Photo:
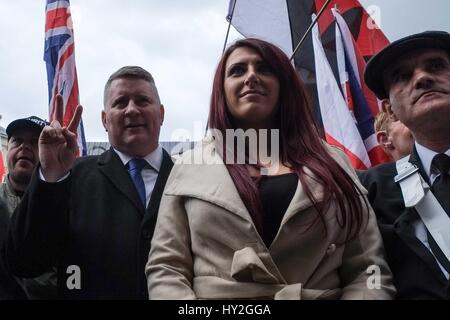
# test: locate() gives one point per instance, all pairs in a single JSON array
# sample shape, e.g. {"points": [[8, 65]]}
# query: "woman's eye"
{"points": [[236, 71]]}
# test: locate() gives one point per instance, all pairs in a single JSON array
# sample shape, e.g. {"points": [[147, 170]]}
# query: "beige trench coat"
{"points": [[205, 245]]}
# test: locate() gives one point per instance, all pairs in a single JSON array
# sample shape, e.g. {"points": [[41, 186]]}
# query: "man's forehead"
{"points": [[413, 59], [130, 86], [416, 56]]}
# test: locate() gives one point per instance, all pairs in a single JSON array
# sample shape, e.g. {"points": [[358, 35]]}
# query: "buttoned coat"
{"points": [[92, 224], [206, 246]]}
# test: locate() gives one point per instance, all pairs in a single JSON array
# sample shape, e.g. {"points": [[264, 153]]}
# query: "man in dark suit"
{"points": [[94, 217], [414, 74]]}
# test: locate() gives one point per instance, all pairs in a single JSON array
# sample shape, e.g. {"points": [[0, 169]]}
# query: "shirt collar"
{"points": [[426, 157], [154, 159]]}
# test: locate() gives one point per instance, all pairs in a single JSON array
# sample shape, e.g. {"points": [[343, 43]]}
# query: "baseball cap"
{"points": [[32, 122]]}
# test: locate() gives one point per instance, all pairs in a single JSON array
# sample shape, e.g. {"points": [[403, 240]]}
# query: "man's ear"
{"points": [[382, 137], [161, 110], [384, 141], [104, 120], [387, 107]]}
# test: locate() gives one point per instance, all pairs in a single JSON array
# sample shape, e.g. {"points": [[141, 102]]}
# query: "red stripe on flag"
{"points": [[72, 102], [2, 167], [67, 53], [327, 17], [378, 156], [355, 161], [57, 18]]}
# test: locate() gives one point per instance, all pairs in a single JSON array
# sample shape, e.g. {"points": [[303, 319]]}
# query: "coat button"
{"points": [[331, 248], [147, 234]]}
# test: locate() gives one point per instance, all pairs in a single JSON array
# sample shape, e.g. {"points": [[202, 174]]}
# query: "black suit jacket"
{"points": [[416, 272], [94, 220]]}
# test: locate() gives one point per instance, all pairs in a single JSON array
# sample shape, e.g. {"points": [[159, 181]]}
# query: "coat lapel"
{"points": [[300, 201], [204, 176], [164, 171], [211, 182], [112, 167]]}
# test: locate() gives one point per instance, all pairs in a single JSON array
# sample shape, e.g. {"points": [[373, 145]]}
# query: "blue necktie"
{"points": [[135, 167]]}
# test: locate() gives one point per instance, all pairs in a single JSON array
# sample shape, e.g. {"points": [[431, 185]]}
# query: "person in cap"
{"points": [[393, 136], [413, 73], [94, 216], [22, 158]]}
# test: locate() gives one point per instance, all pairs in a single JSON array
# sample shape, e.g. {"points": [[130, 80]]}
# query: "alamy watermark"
{"points": [[258, 147]]}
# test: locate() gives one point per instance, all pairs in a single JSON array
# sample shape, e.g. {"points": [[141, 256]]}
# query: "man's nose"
{"points": [[423, 79], [28, 144], [132, 108]]}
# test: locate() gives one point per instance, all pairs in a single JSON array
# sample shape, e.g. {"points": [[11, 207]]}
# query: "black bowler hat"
{"points": [[373, 74], [27, 123]]}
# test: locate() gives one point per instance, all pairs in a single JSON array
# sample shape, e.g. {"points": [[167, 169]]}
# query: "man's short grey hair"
{"points": [[129, 72]]}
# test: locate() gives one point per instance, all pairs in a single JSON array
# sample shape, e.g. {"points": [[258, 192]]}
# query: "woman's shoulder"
{"points": [[339, 155]]}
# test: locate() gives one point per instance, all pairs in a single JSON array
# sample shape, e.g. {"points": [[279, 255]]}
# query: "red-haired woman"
{"points": [[301, 230]]}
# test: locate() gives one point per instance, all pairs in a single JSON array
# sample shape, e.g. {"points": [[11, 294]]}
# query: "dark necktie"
{"points": [[441, 190], [135, 167], [441, 186]]}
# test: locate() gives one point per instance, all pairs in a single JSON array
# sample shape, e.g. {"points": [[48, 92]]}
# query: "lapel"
{"points": [[113, 169], [164, 171], [405, 230], [211, 182], [300, 201]]}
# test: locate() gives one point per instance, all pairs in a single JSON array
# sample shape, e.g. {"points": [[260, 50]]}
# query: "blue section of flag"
{"points": [[51, 52], [363, 115]]}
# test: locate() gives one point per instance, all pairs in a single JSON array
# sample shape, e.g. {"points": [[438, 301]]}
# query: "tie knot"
{"points": [[441, 162], [136, 164]]}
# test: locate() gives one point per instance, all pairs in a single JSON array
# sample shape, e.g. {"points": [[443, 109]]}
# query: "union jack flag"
{"points": [[59, 56]]}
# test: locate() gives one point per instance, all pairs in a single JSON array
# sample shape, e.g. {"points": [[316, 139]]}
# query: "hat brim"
{"points": [[376, 66]]}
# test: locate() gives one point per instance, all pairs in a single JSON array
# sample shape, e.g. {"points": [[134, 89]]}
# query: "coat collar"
{"points": [[110, 164], [200, 173], [112, 167]]}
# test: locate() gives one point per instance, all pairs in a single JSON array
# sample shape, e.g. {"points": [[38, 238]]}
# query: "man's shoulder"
{"points": [[86, 161], [383, 172]]}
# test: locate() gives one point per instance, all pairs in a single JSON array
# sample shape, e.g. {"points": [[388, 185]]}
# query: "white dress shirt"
{"points": [[149, 172], [426, 157]]}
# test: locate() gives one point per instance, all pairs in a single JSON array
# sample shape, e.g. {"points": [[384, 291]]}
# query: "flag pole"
{"points": [[308, 31], [230, 17]]}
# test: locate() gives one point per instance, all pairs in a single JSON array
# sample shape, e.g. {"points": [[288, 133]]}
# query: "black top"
{"points": [[276, 193]]}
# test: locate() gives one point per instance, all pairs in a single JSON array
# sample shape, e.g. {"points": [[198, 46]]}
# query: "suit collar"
{"points": [[112, 167], [165, 168], [154, 158], [415, 159]]}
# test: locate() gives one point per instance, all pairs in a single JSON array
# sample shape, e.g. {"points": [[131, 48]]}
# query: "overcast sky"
{"points": [[178, 41]]}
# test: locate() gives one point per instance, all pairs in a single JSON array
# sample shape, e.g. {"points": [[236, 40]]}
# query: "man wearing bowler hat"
{"points": [[411, 197], [22, 158]]}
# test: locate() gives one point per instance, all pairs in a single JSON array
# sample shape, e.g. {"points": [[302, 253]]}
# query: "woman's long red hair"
{"points": [[300, 142]]}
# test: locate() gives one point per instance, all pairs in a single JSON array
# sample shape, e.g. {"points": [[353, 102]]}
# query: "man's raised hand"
{"points": [[58, 145]]}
